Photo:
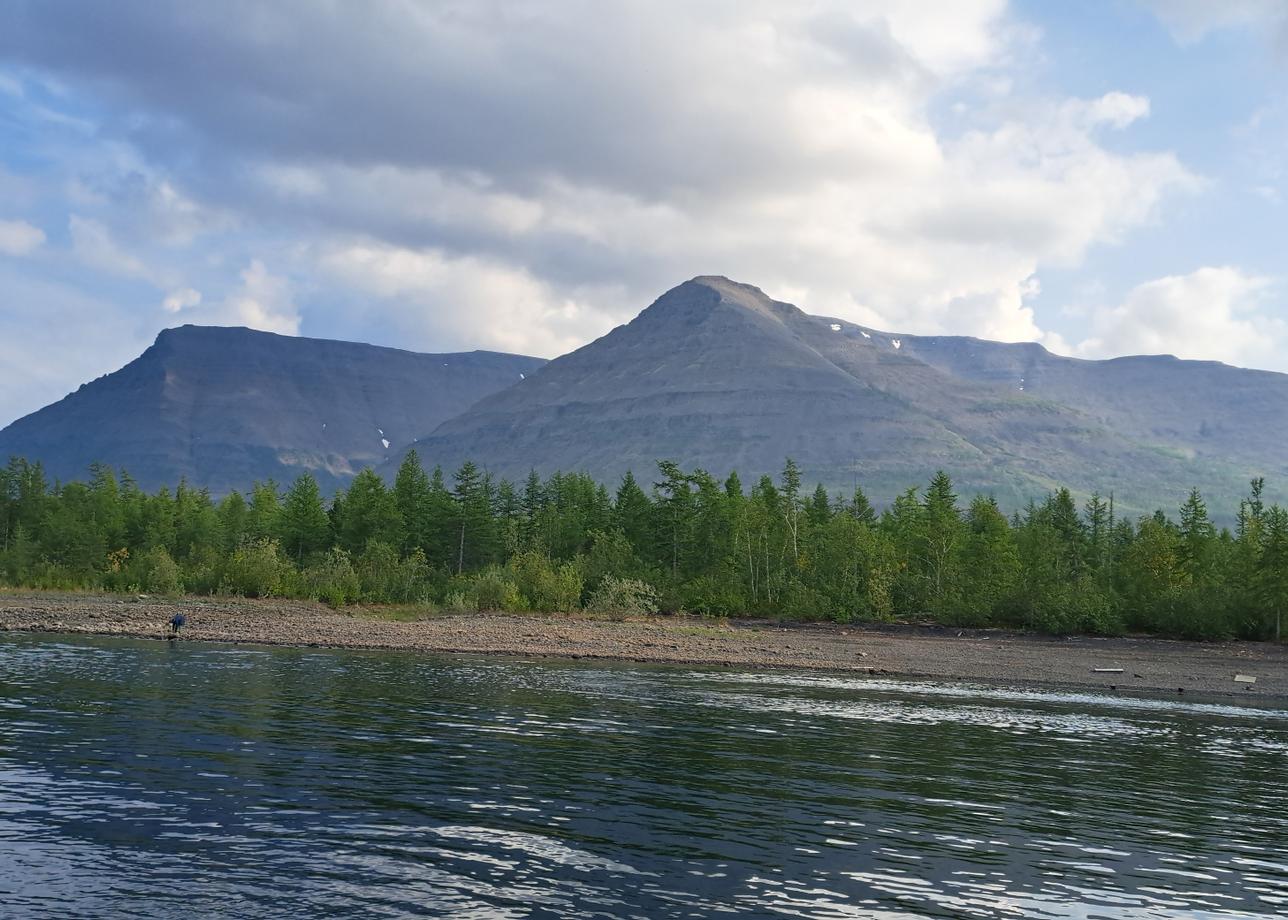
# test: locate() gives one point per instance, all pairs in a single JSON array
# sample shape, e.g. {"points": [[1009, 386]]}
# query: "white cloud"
{"points": [[1211, 313], [181, 299], [945, 238], [436, 302], [19, 238], [526, 176], [263, 301]]}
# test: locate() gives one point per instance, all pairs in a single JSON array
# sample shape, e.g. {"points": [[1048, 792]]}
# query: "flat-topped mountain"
{"points": [[717, 375], [225, 407]]}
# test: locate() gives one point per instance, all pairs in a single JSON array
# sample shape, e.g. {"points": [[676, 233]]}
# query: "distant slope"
{"points": [[717, 375], [225, 407], [1204, 409]]}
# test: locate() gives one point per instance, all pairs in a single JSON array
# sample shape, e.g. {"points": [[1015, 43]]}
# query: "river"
{"points": [[188, 780]]}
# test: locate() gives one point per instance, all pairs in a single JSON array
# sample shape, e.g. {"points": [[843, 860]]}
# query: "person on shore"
{"points": [[176, 623]]}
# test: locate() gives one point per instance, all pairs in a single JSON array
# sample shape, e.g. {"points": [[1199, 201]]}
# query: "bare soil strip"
{"points": [[1151, 666]]}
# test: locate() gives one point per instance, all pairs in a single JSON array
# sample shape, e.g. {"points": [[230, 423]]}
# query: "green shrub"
{"points": [[714, 595], [202, 570], [331, 579], [1200, 613], [255, 569], [623, 597], [387, 578], [155, 572], [493, 591], [802, 602], [610, 553], [544, 586], [1082, 607], [459, 602]]}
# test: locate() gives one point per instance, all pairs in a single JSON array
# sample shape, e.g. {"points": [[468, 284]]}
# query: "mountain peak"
{"points": [[698, 297]]}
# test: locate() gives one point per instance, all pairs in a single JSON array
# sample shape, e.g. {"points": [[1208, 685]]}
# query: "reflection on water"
{"points": [[234, 782]]}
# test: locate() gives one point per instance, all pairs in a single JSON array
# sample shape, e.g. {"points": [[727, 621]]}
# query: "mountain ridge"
{"points": [[900, 406], [714, 374], [226, 406]]}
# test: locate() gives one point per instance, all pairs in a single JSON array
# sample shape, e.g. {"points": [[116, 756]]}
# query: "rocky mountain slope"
{"points": [[225, 407], [715, 374]]}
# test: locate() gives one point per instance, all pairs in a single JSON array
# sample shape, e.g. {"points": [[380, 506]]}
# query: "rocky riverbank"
{"points": [[1122, 665]]}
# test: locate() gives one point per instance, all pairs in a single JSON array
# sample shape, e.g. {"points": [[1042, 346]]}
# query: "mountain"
{"points": [[717, 375], [225, 407], [1204, 409]]}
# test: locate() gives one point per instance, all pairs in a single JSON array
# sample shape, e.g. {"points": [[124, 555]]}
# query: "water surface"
{"points": [[186, 780]]}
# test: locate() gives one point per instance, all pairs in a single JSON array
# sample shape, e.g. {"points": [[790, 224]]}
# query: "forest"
{"points": [[683, 542]]}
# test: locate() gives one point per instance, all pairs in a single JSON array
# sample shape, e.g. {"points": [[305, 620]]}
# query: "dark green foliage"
{"points": [[697, 544], [414, 501], [368, 512], [303, 525]]}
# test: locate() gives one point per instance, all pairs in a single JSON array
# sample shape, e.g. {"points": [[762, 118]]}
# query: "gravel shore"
{"points": [[1153, 666]]}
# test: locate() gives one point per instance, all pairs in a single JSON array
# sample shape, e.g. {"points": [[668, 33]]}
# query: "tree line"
{"points": [[687, 542]]}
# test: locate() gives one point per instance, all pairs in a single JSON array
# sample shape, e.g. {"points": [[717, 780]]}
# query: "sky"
{"points": [[1105, 178]]}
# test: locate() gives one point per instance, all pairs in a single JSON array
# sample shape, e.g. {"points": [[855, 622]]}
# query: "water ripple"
{"points": [[173, 781]]}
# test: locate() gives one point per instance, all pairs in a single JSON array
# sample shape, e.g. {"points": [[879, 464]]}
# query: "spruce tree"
{"points": [[1272, 568], [819, 511], [414, 503], [1198, 538], [632, 513], [261, 516], [792, 505], [472, 516], [368, 512], [674, 505], [303, 525], [861, 509]]}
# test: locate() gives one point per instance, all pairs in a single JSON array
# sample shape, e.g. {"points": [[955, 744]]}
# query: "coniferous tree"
{"points": [[1198, 537], [532, 506], [1098, 528], [261, 516], [303, 527], [632, 512], [368, 512], [1272, 568], [233, 514], [819, 510], [472, 515], [442, 514], [940, 544], [414, 503], [861, 509], [707, 546], [792, 504], [674, 504]]}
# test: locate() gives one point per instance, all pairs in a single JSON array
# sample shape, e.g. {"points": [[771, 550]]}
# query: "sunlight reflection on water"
{"points": [[217, 781]]}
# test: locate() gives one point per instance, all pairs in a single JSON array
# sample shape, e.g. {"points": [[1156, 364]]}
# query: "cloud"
{"points": [[652, 99], [465, 302], [524, 176], [181, 299], [263, 301], [1211, 313], [19, 238]]}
